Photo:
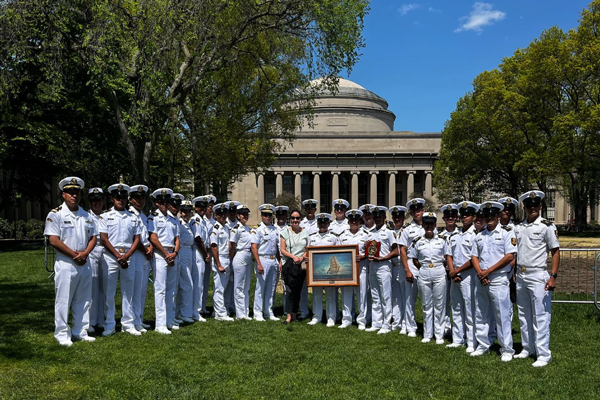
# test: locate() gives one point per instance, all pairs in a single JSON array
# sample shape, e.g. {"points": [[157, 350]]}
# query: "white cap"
{"points": [[366, 208], [162, 194], [532, 194], [491, 206], [398, 209], [220, 208], [354, 213], [429, 216], [378, 209], [267, 208], [324, 217], [187, 204], [281, 209], [118, 189], [339, 203], [200, 199], [414, 202], [465, 205], [71, 182], [506, 201], [210, 198], [138, 189], [449, 207], [310, 202], [243, 208]]}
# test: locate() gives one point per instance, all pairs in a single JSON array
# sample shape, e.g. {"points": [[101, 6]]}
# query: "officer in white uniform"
{"points": [[398, 214], [281, 217], [203, 258], [463, 279], [428, 254], [407, 239], [174, 208], [231, 222], [241, 255], [144, 256], [219, 242], [323, 238], [265, 248], [187, 262], [450, 217], [340, 223], [72, 233], [164, 235], [369, 222], [210, 266], [507, 215], [354, 235], [120, 234], [535, 238], [380, 270], [495, 248], [309, 222], [96, 198]]}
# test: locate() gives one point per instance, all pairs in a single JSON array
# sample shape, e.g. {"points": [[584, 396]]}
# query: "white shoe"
{"points": [[247, 318], [470, 350], [479, 352], [225, 318], [273, 318], [522, 354], [259, 319], [163, 329], [425, 340], [403, 331], [201, 318], [372, 329], [173, 327], [133, 331], [140, 329], [539, 363], [90, 329], [383, 331], [454, 345], [85, 338], [506, 357], [361, 327], [108, 333], [330, 323], [145, 326], [187, 320], [412, 334], [66, 343], [313, 321], [439, 341], [344, 326]]}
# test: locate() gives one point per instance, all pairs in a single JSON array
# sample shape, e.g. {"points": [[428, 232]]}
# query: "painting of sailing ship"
{"points": [[332, 267]]}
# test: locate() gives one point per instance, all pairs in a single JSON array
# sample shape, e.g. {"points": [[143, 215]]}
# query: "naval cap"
{"points": [[310, 203], [340, 204], [95, 193], [323, 217], [200, 201], [492, 207], [415, 203], [232, 204], [378, 210], [220, 208], [354, 214], [71, 182], [508, 202], [449, 209], [429, 217], [532, 196], [266, 208], [281, 209], [162, 194], [468, 207], [186, 205], [210, 198], [366, 208], [138, 190], [118, 189], [397, 211], [243, 209]]}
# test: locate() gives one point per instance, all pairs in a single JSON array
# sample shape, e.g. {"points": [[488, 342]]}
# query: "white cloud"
{"points": [[406, 8], [482, 15], [434, 10]]}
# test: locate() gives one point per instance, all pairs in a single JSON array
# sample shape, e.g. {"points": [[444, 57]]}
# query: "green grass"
{"points": [[248, 359]]}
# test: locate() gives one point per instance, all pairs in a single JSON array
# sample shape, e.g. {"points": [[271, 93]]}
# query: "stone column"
{"points": [[335, 185], [354, 193], [298, 184], [260, 182], [392, 188], [410, 184], [373, 196], [278, 183], [428, 184], [317, 188]]}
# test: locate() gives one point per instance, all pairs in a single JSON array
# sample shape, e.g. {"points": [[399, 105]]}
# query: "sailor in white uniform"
{"points": [[220, 246], [187, 263], [340, 223], [231, 222], [241, 256], [201, 257], [96, 198], [398, 214], [450, 217], [72, 233]]}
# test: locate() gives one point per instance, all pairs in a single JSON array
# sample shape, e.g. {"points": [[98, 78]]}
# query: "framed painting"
{"points": [[332, 265]]}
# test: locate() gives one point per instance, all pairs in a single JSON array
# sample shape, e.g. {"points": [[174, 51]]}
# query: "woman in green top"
{"points": [[293, 248]]}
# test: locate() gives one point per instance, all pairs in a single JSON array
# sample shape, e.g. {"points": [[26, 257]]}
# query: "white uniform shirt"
{"points": [[267, 238], [369, 230], [96, 219], [187, 232], [121, 227], [461, 246], [240, 235], [209, 223], [409, 234], [338, 227], [358, 238], [281, 228], [322, 239], [491, 246], [201, 228], [74, 229], [166, 228], [534, 241], [430, 252], [444, 234], [231, 224], [310, 225], [144, 236], [386, 237], [220, 237]]}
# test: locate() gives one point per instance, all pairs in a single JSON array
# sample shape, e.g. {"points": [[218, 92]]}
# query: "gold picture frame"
{"points": [[332, 265]]}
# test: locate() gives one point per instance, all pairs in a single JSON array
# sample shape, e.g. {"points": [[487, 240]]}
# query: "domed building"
{"points": [[349, 151]]}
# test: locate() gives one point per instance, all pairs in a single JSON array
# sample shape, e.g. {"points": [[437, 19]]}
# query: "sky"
{"points": [[422, 56]]}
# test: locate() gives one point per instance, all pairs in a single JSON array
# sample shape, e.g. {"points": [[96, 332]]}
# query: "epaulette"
{"points": [[217, 226], [335, 234], [405, 225], [105, 211], [155, 213], [236, 226], [197, 219], [390, 225], [415, 240], [546, 222], [506, 228], [57, 209], [442, 236], [314, 233]]}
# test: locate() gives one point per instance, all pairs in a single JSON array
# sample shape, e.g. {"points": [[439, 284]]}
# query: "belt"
{"points": [[524, 269], [271, 256], [122, 250], [245, 251], [169, 248]]}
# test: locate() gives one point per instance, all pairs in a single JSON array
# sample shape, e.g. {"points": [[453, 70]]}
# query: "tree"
{"points": [[288, 199]]}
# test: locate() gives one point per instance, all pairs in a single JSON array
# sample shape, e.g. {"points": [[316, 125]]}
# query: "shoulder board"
{"points": [[546, 222], [155, 213], [217, 226], [314, 233], [442, 236], [57, 209], [233, 231], [405, 225], [390, 225], [197, 219], [236, 226], [415, 240], [506, 228], [335, 234]]}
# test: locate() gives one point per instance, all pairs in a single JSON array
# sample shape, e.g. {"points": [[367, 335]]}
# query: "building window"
{"points": [[288, 184], [325, 200], [270, 187], [363, 186], [345, 183], [551, 205], [307, 186]]}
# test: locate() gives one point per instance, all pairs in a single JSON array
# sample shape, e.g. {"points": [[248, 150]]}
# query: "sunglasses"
{"points": [[266, 215], [295, 218], [532, 205]]}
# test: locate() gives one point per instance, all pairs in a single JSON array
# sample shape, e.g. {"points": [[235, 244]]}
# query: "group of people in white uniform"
{"points": [[462, 274]]}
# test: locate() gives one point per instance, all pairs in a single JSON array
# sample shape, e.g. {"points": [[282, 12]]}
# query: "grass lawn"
{"points": [[220, 360]]}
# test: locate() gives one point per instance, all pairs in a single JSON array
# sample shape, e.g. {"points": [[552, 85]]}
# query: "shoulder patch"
{"points": [[506, 228], [546, 222], [49, 219]]}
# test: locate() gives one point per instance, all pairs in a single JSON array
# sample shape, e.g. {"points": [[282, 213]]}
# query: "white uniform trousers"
{"points": [[398, 304], [242, 273], [494, 299], [73, 287], [265, 284], [380, 278], [363, 294], [411, 290], [113, 273], [228, 296], [165, 282], [185, 292], [98, 299], [432, 285], [205, 284], [330, 306], [347, 300], [173, 294], [447, 321], [197, 272], [304, 300], [221, 281], [463, 309], [140, 288], [534, 306]]}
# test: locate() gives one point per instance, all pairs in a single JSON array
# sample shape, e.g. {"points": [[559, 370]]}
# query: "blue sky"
{"points": [[422, 56]]}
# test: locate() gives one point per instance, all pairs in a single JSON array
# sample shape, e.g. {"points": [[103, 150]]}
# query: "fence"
{"points": [[577, 281]]}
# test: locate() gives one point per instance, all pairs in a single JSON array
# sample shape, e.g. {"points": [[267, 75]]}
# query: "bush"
{"points": [[34, 229], [6, 229], [20, 230]]}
